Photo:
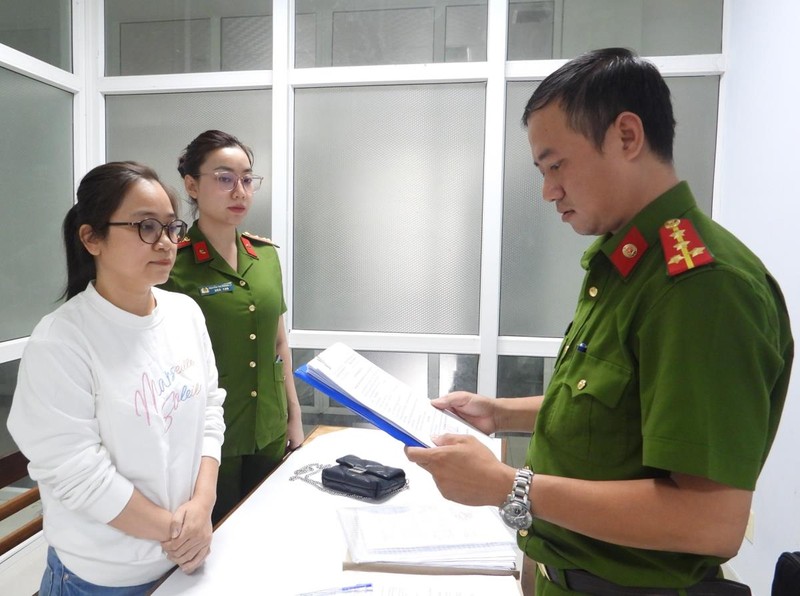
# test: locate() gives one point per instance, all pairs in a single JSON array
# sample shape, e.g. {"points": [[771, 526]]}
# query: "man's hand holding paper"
{"points": [[465, 470]]}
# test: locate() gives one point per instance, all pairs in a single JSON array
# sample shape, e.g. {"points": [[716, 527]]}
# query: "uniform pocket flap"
{"points": [[602, 380]]}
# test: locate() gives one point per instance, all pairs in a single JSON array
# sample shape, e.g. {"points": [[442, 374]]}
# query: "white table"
{"points": [[285, 538]]}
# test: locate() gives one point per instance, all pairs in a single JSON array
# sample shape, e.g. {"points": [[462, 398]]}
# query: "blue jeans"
{"points": [[60, 581]]}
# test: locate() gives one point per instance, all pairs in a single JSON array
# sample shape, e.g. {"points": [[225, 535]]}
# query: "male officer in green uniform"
{"points": [[670, 382]]}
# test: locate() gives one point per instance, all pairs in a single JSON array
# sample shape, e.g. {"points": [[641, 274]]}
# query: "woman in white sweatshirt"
{"points": [[117, 405]]}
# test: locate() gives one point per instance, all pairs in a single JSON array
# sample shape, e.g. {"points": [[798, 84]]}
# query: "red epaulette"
{"points": [[184, 242], [683, 247], [259, 239]]}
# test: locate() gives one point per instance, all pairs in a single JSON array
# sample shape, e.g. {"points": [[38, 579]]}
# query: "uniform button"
{"points": [[242, 283], [629, 251], [252, 364], [592, 291], [254, 394], [523, 533], [251, 308], [581, 384], [252, 336]]}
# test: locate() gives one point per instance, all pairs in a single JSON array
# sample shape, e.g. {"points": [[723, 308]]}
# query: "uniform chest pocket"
{"points": [[590, 415]]}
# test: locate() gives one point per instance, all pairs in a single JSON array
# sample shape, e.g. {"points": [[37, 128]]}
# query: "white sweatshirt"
{"points": [[107, 401]]}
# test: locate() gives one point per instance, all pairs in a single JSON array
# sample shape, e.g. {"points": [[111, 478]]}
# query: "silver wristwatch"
{"points": [[516, 511]]}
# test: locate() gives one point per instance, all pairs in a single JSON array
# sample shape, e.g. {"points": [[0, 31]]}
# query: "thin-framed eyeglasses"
{"points": [[227, 181], [150, 229]]}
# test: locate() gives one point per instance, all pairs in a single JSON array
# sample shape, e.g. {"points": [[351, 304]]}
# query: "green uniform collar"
{"points": [[645, 225], [205, 252]]}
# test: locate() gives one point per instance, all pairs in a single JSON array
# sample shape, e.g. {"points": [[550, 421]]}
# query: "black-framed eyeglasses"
{"points": [[150, 229], [227, 181]]}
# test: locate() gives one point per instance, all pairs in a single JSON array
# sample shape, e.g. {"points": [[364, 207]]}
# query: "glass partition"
{"points": [[388, 189], [362, 32], [37, 192], [39, 28], [567, 28], [156, 37]]}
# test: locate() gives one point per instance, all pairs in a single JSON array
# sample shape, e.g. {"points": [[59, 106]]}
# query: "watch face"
{"points": [[516, 515]]}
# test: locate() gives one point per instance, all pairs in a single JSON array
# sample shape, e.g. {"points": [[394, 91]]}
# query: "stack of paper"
{"points": [[447, 538], [390, 404]]}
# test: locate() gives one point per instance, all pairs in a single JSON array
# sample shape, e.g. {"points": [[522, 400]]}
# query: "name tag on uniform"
{"points": [[216, 289]]}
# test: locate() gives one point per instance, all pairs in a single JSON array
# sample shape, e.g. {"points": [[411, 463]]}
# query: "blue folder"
{"points": [[347, 401]]}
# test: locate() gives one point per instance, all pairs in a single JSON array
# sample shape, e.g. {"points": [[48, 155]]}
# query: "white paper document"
{"points": [[389, 398], [448, 536]]}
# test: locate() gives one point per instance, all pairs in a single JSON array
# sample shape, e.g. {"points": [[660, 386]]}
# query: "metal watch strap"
{"points": [[522, 486], [517, 511]]}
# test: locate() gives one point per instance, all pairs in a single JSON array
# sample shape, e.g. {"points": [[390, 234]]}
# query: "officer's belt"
{"points": [[579, 580]]}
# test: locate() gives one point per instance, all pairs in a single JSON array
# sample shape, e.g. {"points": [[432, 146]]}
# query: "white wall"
{"points": [[759, 200]]}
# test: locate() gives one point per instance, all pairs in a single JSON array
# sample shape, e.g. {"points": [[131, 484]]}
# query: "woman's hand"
{"points": [[191, 534]]}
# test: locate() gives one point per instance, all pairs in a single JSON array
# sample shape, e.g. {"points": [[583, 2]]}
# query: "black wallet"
{"points": [[786, 581], [363, 478]]}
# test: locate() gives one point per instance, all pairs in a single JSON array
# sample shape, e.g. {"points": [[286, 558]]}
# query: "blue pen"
{"points": [[354, 589]]}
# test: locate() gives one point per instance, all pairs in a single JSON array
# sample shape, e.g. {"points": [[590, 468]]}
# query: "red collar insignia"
{"points": [[248, 246], [201, 252], [683, 247], [628, 252]]}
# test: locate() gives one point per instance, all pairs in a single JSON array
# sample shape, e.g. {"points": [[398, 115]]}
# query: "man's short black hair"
{"points": [[594, 88]]}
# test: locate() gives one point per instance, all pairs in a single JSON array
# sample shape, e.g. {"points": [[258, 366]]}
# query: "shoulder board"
{"points": [[683, 247], [259, 239]]}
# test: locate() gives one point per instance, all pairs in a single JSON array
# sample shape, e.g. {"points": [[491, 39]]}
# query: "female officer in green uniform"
{"points": [[236, 279]]}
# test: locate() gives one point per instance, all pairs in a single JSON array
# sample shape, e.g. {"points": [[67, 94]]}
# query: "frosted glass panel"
{"points": [[157, 37], [163, 47], [530, 30], [36, 193], [428, 374], [361, 32], [247, 43], [383, 36], [541, 273], [387, 208], [305, 40], [154, 129], [695, 102], [650, 27], [39, 28], [465, 34]]}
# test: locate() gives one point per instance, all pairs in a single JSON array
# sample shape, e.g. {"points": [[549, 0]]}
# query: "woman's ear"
{"points": [[190, 183], [89, 239], [630, 132]]}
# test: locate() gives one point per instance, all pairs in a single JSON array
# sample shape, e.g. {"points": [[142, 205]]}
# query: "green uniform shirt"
{"points": [[242, 309], [661, 373]]}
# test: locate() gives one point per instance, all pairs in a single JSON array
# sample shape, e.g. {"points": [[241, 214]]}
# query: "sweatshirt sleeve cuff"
{"points": [[113, 501], [212, 448]]}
